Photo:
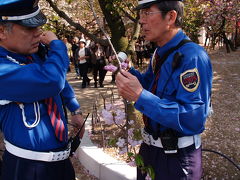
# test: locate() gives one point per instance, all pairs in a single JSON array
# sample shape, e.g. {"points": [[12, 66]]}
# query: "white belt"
{"points": [[182, 141], [38, 156]]}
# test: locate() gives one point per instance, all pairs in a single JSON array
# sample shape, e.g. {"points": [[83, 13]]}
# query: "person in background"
{"points": [[88, 42], [90, 64], [83, 55], [32, 94], [69, 50], [173, 94], [75, 42], [139, 51], [109, 53], [98, 67]]}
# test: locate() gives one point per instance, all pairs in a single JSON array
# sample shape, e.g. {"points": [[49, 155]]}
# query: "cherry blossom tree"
{"points": [[220, 21], [116, 16], [193, 19]]}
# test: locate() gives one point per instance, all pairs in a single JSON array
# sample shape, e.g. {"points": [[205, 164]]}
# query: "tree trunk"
{"points": [[131, 45], [236, 35], [206, 39], [115, 25], [228, 43], [213, 42]]}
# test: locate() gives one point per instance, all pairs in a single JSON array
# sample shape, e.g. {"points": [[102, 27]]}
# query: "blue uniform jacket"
{"points": [[30, 84], [181, 108]]}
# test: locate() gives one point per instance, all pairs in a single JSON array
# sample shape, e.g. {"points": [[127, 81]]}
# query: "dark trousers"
{"points": [[184, 165], [83, 68], [99, 68], [139, 58], [16, 168], [77, 70], [76, 67]]}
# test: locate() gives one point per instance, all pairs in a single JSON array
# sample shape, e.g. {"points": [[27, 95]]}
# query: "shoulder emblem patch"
{"points": [[190, 80]]}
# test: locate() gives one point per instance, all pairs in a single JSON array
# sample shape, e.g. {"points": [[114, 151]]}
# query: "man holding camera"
{"points": [[32, 94]]}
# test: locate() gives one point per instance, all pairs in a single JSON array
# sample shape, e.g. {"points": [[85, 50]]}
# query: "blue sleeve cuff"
{"points": [[73, 105], [57, 44], [58, 47], [131, 70], [144, 102]]}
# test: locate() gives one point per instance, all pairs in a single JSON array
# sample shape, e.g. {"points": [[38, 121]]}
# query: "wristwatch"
{"points": [[78, 111]]}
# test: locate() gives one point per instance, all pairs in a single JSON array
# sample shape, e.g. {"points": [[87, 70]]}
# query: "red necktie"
{"points": [[156, 70], [56, 120], [54, 114]]}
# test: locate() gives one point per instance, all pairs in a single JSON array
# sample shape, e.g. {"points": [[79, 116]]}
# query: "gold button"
{"points": [[4, 17]]}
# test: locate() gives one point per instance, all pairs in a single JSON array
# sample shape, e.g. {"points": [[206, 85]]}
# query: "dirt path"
{"points": [[223, 128], [86, 97]]}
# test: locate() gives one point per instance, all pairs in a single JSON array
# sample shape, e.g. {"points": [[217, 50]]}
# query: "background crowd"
{"points": [[89, 57]]}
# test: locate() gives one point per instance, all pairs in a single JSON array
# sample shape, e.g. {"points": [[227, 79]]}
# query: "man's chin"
{"points": [[34, 50], [146, 37]]}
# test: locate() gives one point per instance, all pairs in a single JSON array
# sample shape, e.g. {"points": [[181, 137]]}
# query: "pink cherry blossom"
{"points": [[120, 142], [148, 177], [124, 65], [110, 68], [107, 116], [123, 151], [132, 163]]}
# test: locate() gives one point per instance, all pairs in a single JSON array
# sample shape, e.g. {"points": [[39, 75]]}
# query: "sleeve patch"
{"points": [[190, 80]]}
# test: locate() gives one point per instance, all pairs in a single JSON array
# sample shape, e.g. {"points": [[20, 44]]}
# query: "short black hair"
{"points": [[178, 6], [7, 25]]}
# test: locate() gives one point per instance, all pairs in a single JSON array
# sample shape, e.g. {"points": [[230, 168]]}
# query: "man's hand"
{"points": [[47, 37], [77, 121], [128, 86]]}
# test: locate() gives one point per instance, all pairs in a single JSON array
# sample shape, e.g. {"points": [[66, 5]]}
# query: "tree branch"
{"points": [[76, 25]]}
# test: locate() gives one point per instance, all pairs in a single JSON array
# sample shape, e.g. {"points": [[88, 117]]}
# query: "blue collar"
{"points": [[22, 59], [172, 43]]}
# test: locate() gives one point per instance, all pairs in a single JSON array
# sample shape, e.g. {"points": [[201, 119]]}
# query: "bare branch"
{"points": [[76, 25], [105, 34]]}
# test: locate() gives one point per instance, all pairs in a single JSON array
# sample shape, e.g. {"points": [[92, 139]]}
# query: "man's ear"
{"points": [[2, 32], [172, 16]]}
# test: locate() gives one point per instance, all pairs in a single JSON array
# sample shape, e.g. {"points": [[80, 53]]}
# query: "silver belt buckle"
{"points": [[170, 151], [62, 155]]}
